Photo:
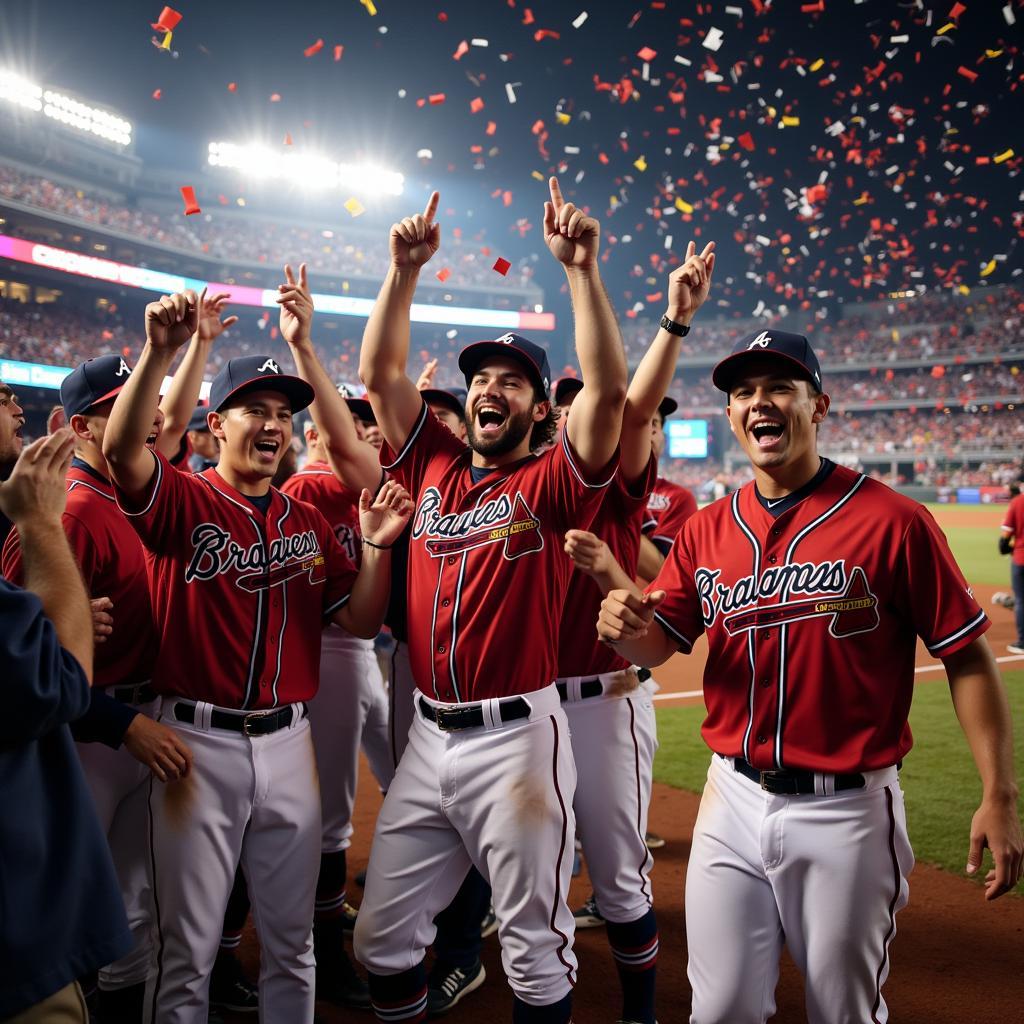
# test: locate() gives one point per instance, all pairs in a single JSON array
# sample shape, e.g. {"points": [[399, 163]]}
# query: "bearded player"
{"points": [[813, 584]]}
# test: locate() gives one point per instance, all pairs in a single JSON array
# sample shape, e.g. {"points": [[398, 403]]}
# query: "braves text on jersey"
{"points": [[113, 565], [668, 508], [486, 562], [812, 620], [239, 596], [617, 523]]}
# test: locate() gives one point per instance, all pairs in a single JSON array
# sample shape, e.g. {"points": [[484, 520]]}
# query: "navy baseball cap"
{"points": [[198, 420], [667, 406], [454, 399], [92, 382], [357, 403], [792, 349], [258, 373], [566, 386], [509, 346]]}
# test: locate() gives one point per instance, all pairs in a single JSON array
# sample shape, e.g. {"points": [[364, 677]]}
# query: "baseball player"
{"points": [[119, 744], [12, 426], [1011, 542], [610, 716], [241, 579], [487, 777], [813, 584], [350, 707]]}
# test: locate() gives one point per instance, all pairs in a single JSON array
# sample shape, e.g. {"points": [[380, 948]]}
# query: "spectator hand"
{"points": [[414, 240], [572, 237], [426, 378], [382, 519], [296, 307], [688, 285], [159, 748], [172, 320], [211, 324], [102, 620], [36, 490]]}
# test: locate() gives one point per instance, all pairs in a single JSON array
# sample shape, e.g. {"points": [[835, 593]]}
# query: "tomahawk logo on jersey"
{"points": [[479, 550], [234, 589], [770, 594]]}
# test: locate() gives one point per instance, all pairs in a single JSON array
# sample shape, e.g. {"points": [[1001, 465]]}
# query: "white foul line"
{"points": [[936, 667]]}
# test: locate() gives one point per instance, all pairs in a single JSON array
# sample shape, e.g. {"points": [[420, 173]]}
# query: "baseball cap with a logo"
{"points": [[509, 346], [448, 398], [257, 373], [357, 403], [792, 349], [92, 382]]}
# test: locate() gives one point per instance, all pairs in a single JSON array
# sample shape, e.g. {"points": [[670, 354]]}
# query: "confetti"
{"points": [[1009, 16], [640, 163], [338, 51], [425, 154], [510, 90], [232, 87], [746, 140], [275, 97], [479, 42], [476, 105], [167, 21], [580, 18], [713, 40], [647, 54], [545, 33], [436, 99], [502, 266], [956, 11], [491, 128], [370, 8], [461, 50], [683, 206], [287, 138], [157, 94], [354, 207], [443, 274], [967, 73], [1003, 157], [990, 266], [314, 49], [188, 194]]}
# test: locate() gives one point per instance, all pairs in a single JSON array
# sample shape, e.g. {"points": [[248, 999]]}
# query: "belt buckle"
{"points": [[779, 783], [448, 719], [252, 715]]}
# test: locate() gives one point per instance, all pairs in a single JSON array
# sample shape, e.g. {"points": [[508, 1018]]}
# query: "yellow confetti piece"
{"points": [[895, 334], [369, 5], [166, 44], [1003, 157], [989, 268], [992, 54], [683, 205], [789, 121], [537, 175], [640, 163], [964, 290], [818, 64], [613, 201], [771, 113], [945, 28], [354, 207], [562, 118], [862, 199]]}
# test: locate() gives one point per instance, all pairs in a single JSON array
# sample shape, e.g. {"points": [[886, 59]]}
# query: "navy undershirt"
{"points": [[479, 473], [780, 505], [260, 501]]}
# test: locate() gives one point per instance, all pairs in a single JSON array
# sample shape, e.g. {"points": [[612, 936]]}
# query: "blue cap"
{"points": [[667, 406], [93, 382], [258, 373], [566, 386], [792, 349], [454, 399], [509, 346], [198, 420]]}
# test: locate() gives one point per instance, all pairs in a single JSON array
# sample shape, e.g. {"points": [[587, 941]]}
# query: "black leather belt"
{"points": [[588, 688], [143, 693], [255, 723], [793, 783], [471, 716]]}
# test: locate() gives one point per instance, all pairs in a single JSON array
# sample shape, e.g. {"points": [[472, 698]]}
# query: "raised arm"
{"points": [[170, 322], [979, 699], [688, 287], [354, 461], [574, 240], [183, 394], [384, 355]]}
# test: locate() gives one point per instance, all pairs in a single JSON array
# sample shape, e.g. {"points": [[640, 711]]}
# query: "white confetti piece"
{"points": [[479, 42], [1009, 15], [713, 40], [510, 90], [580, 19]]}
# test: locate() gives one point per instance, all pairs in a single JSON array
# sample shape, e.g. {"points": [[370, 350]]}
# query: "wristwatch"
{"points": [[680, 330]]}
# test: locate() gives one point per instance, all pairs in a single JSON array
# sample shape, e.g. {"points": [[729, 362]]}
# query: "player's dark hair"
{"points": [[545, 430]]}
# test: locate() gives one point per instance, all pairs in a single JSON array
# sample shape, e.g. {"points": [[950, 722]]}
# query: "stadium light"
{"points": [[20, 91], [310, 170]]}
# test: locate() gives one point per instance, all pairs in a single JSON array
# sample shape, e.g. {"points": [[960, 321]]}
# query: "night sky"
{"points": [[904, 119]]}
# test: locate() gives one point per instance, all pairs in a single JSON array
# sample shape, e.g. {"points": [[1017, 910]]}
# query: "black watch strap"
{"points": [[680, 330]]}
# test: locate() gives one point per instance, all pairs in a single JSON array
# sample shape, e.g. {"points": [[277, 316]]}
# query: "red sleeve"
{"points": [[680, 613], [682, 505], [573, 499], [633, 497], [942, 607], [84, 548], [1011, 523], [428, 441], [163, 509], [10, 560]]}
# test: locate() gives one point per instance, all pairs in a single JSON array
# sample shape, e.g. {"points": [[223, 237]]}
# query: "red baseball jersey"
{"points": [[113, 565], [239, 595], [617, 523], [317, 485], [812, 621], [668, 508], [1013, 526], [488, 573]]}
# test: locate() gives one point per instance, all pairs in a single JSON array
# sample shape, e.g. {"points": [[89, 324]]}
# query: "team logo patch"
{"points": [[268, 364], [123, 369], [763, 340], [259, 566], [826, 589], [658, 502], [505, 520]]}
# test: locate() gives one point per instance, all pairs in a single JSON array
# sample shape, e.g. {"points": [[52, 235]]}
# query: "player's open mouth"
{"points": [[151, 440], [490, 419], [767, 434], [268, 450]]}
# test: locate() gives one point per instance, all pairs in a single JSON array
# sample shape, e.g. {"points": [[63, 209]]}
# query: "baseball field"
{"points": [[955, 957]]}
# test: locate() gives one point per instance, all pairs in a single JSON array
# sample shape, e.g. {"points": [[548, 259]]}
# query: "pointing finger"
{"points": [[556, 193], [303, 280], [708, 249], [431, 208], [691, 249], [288, 275]]}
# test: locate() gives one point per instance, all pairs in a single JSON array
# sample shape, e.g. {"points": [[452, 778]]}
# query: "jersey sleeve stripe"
{"points": [[938, 645], [411, 439], [579, 476], [685, 645], [155, 488]]}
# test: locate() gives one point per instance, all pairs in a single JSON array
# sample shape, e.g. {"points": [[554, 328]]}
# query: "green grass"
{"points": [[938, 777], [976, 547]]}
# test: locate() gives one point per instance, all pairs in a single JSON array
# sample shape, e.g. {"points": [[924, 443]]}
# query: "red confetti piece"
{"points": [[502, 266], [967, 73], [232, 87], [275, 97], [461, 50], [338, 51], [491, 128], [157, 93], [956, 11], [545, 33], [813, 8], [476, 105], [538, 127], [167, 21], [311, 51], [527, 16], [443, 274], [506, 198], [188, 193], [441, 16], [287, 138], [436, 99], [746, 140], [647, 54]]}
